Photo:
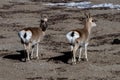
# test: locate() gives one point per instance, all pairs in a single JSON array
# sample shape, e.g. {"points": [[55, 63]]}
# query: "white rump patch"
{"points": [[25, 35], [71, 38]]}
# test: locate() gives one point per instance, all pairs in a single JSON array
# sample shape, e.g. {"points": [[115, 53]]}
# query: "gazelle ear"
{"points": [[86, 15], [89, 15]]}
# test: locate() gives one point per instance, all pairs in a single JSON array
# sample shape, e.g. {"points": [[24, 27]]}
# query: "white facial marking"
{"points": [[45, 19], [93, 24]]}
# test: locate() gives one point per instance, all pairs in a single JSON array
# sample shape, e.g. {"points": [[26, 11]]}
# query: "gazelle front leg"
{"points": [[33, 47], [37, 56], [80, 53], [86, 51]]}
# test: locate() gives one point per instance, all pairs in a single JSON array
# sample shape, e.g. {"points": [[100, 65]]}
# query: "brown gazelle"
{"points": [[79, 38], [31, 36]]}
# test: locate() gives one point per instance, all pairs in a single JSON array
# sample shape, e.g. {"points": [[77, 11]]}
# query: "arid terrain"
{"points": [[54, 50]]}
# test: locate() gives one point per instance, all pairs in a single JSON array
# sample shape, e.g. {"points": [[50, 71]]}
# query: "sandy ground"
{"points": [[54, 51]]}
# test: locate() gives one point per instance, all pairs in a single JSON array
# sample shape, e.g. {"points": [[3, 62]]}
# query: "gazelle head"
{"points": [[89, 21], [43, 23]]}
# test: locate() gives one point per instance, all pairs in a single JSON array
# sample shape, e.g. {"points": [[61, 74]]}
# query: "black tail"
{"points": [[72, 34]]}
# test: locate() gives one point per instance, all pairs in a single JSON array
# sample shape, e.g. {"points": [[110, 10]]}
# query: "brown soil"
{"points": [[54, 50]]}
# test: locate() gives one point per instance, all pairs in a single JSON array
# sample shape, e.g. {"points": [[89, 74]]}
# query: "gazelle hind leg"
{"points": [[75, 48], [25, 52], [71, 47], [28, 53], [28, 47]]}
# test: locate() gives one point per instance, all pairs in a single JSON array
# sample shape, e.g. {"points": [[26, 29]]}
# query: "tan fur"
{"points": [[37, 34], [83, 40]]}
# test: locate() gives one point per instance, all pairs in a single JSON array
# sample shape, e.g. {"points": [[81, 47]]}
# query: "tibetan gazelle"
{"points": [[79, 38], [31, 36]]}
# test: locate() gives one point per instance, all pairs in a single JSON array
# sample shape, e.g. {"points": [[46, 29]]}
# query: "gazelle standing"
{"points": [[79, 38], [31, 36]]}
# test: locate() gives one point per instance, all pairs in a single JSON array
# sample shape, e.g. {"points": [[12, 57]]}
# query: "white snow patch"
{"points": [[83, 5]]}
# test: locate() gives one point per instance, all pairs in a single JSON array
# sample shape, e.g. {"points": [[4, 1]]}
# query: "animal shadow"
{"points": [[116, 41], [20, 57], [62, 58]]}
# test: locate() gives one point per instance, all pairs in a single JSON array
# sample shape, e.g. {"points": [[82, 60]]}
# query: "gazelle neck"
{"points": [[87, 28]]}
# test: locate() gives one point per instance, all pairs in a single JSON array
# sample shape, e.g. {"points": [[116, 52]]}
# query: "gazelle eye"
{"points": [[94, 20]]}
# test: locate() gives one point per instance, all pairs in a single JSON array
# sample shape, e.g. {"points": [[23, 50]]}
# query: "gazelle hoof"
{"points": [[86, 59], [31, 57], [79, 59], [73, 63], [37, 57], [27, 60]]}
